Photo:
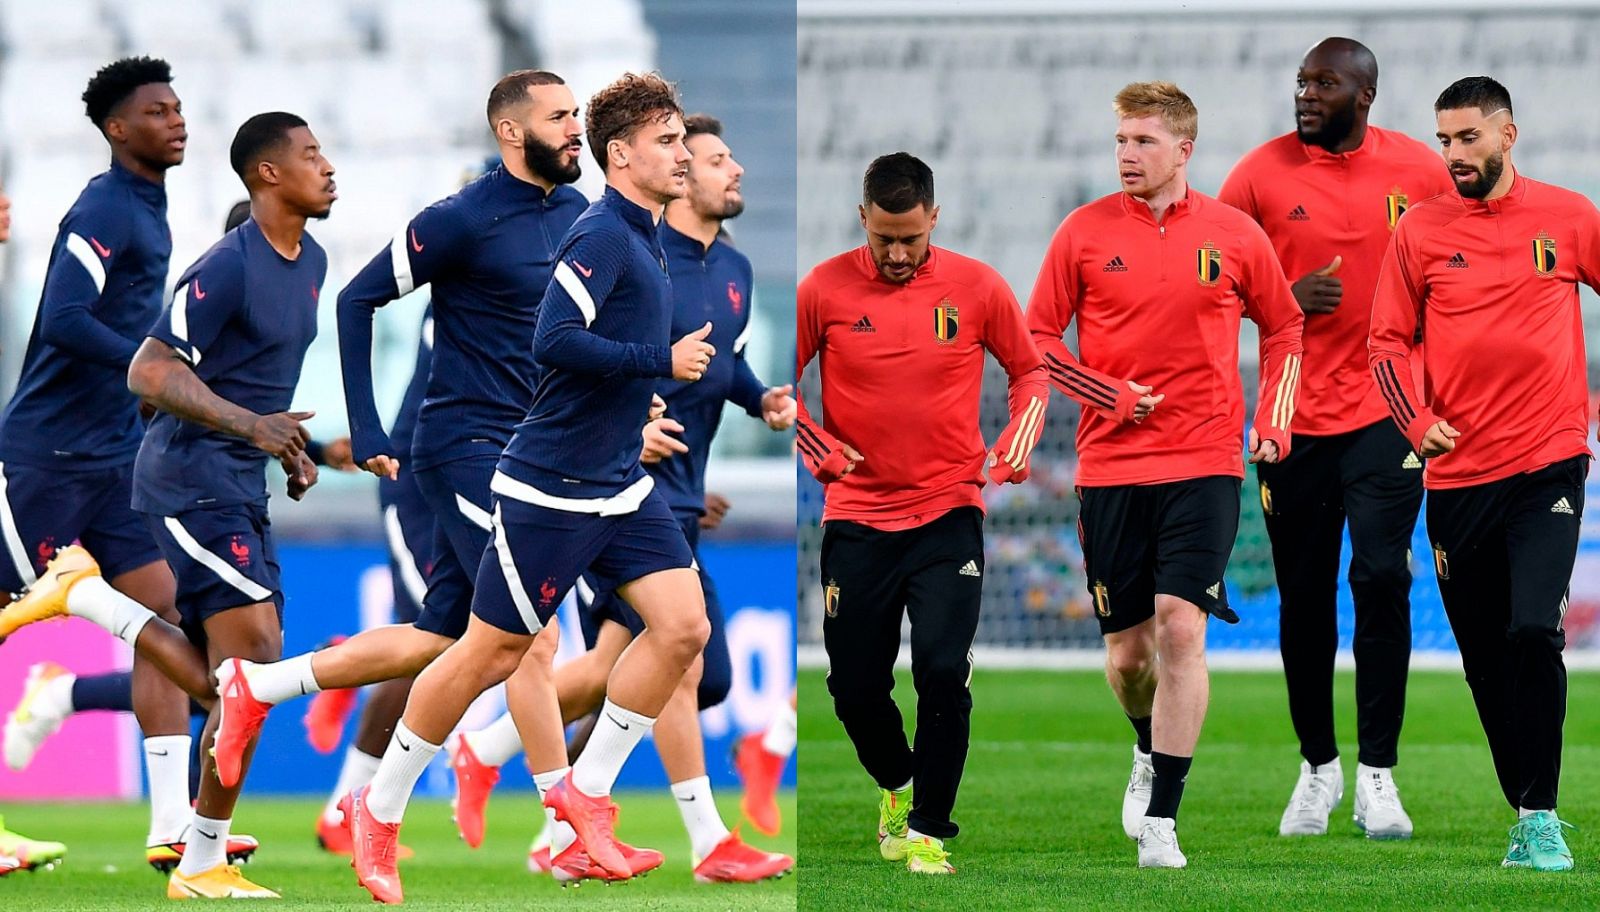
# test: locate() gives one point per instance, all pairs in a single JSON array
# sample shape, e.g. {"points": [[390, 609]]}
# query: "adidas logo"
{"points": [[1298, 214], [1562, 506], [1116, 265], [863, 325], [1216, 590], [971, 567], [1457, 262], [1411, 462]]}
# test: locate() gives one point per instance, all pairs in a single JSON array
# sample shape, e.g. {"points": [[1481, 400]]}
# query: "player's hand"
{"points": [[1440, 439], [692, 354], [302, 475], [281, 434], [1262, 450], [778, 407], [716, 508], [852, 458], [383, 467], [338, 455], [1320, 292], [1147, 403], [658, 407], [658, 444]]}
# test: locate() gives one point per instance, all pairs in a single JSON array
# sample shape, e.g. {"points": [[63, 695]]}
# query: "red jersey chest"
{"points": [[1158, 284], [914, 332]]}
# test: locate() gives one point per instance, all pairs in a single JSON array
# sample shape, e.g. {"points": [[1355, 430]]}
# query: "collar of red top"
{"points": [[1519, 189], [870, 266], [1369, 142], [1139, 209]]}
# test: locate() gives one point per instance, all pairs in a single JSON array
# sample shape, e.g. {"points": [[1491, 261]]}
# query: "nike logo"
{"points": [[205, 834], [155, 753], [587, 273], [690, 798], [620, 724], [198, 294], [403, 746], [414, 245], [100, 248]]}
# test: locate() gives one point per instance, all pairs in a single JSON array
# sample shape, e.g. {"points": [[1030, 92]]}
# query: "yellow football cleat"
{"points": [[30, 853], [221, 882], [926, 855], [47, 597]]}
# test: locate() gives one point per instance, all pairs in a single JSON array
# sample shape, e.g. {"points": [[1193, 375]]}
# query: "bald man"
{"points": [[1329, 195]]}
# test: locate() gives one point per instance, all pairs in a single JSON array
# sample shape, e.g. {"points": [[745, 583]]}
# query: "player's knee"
{"points": [[1536, 635], [688, 639], [1182, 633], [1378, 577], [1130, 664]]}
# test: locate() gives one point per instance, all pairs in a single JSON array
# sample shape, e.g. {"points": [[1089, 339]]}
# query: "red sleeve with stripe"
{"points": [[823, 456], [1050, 310], [1396, 309], [1028, 393], [1270, 304]]}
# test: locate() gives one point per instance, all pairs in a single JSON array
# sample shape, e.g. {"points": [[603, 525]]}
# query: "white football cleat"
{"points": [[1158, 844], [1378, 809], [1318, 791], [1136, 800], [38, 714]]}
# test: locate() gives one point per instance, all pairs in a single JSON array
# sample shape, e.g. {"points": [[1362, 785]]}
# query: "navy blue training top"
{"points": [[405, 420], [603, 341], [709, 284], [102, 290], [243, 317], [488, 252]]}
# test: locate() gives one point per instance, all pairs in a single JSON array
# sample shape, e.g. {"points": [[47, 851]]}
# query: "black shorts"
{"points": [[1140, 541]]}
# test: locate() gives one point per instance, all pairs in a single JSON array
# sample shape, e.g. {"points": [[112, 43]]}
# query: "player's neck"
{"points": [[637, 196], [683, 219], [521, 171], [1163, 199], [138, 168], [1351, 141], [282, 229]]}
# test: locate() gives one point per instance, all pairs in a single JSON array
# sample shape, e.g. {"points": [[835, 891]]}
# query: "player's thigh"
{"points": [[649, 562], [1381, 478], [944, 589], [1116, 527], [408, 530], [1467, 533], [222, 559], [447, 600], [863, 597], [1542, 544], [534, 558], [1303, 510], [153, 586], [1198, 520], [41, 510]]}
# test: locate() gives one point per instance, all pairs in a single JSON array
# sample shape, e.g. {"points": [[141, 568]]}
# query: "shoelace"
{"points": [[1546, 835], [897, 815], [1315, 795], [1384, 794], [1143, 777], [1161, 834], [927, 851]]}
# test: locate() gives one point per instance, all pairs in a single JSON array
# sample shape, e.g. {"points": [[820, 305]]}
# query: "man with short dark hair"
{"points": [[1492, 273], [1328, 195], [900, 321]]}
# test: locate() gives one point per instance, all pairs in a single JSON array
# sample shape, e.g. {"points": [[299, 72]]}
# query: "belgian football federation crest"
{"points": [[1208, 264], [830, 598], [1102, 599], [946, 321], [1395, 206], [1544, 255]]}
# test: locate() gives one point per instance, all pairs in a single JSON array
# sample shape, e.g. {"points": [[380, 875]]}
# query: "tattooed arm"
{"points": [[162, 377]]}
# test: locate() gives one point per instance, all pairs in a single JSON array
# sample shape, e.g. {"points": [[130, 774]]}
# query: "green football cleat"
{"points": [[30, 853], [1540, 845], [894, 807], [926, 855]]}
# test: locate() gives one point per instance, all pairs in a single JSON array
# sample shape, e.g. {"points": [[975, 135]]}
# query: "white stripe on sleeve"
{"points": [[574, 287], [80, 249]]}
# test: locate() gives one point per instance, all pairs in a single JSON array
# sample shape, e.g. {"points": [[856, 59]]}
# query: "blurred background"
{"points": [[395, 91], [1009, 102]]}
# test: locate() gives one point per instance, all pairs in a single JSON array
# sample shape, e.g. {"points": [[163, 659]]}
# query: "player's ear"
{"points": [[267, 172], [1367, 96], [933, 218], [617, 153], [1508, 136], [862, 210], [507, 131], [115, 129]]}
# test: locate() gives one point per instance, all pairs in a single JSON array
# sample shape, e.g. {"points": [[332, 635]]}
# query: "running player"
{"points": [[1328, 195], [1490, 273], [898, 321], [1157, 276]]}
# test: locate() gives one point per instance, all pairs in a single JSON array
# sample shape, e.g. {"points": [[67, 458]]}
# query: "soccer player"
{"points": [[1157, 276], [1328, 196], [894, 322], [711, 281], [1490, 273], [488, 252], [571, 495], [70, 432]]}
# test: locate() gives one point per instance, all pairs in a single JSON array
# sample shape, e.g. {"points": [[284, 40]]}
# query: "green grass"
{"points": [[1040, 808], [105, 860]]}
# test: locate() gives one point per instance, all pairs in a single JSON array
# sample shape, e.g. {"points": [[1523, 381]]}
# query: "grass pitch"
{"points": [[105, 867], [1040, 808]]}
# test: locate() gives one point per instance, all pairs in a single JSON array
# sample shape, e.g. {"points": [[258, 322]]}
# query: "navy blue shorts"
{"points": [[408, 529], [539, 552], [46, 508], [457, 494], [223, 557]]}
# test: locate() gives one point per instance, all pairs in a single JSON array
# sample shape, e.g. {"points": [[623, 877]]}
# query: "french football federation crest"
{"points": [[1544, 255], [946, 321], [735, 298], [1395, 205], [1208, 264], [830, 598]]}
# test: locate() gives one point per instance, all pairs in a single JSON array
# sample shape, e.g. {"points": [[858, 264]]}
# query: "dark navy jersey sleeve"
{"points": [[211, 294], [590, 266], [87, 246], [746, 389]]}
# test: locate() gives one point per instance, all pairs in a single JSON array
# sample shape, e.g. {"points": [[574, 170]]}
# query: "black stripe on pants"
{"points": [[1504, 553], [934, 574], [1360, 477]]}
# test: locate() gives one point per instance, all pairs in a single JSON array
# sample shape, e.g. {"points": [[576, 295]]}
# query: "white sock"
{"points": [[496, 743], [55, 698], [275, 682], [616, 733], [397, 775], [700, 817], [166, 762], [780, 737], [93, 599], [208, 845], [913, 835], [560, 831], [1524, 812], [358, 769]]}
